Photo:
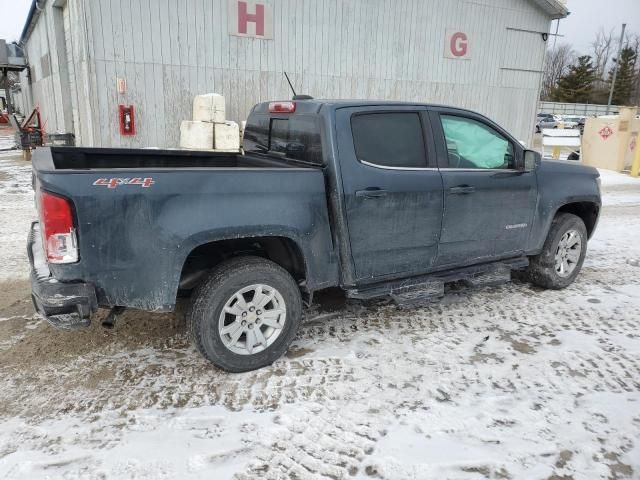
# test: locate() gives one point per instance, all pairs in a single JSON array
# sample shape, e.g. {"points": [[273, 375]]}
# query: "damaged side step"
{"points": [[425, 293], [498, 276], [431, 287]]}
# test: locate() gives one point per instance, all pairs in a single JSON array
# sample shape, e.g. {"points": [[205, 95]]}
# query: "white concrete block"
{"points": [[226, 136], [209, 108], [196, 135]]}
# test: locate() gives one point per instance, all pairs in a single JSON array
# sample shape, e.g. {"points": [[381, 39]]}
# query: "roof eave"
{"points": [[32, 17], [554, 8]]}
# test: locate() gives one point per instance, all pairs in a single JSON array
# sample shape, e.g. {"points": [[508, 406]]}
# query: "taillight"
{"points": [[58, 234], [282, 107]]}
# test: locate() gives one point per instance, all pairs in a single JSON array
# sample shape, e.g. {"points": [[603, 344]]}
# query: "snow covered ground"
{"points": [[16, 209], [504, 382]]}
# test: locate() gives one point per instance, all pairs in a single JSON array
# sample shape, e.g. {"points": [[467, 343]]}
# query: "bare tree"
{"points": [[557, 63], [12, 78], [601, 49]]}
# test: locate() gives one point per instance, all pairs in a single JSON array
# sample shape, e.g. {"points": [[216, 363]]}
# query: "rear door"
{"points": [[392, 189], [489, 201]]}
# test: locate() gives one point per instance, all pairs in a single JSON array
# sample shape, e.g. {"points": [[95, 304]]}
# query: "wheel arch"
{"points": [[586, 210], [283, 250]]}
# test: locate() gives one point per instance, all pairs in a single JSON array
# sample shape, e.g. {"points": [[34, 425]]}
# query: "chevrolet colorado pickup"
{"points": [[377, 198]]}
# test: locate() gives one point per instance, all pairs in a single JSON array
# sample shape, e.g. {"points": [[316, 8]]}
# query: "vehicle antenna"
{"points": [[290, 84]]}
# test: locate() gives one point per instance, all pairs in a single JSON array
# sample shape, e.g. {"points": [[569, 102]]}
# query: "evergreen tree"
{"points": [[576, 85], [625, 78]]}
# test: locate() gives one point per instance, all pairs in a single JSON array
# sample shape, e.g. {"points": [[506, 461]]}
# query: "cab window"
{"points": [[472, 144], [296, 137], [389, 139]]}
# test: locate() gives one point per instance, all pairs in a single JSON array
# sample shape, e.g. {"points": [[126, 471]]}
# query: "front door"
{"points": [[392, 189], [488, 200]]}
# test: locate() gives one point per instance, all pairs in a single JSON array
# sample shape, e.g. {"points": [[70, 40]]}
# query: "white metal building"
{"points": [[88, 57]]}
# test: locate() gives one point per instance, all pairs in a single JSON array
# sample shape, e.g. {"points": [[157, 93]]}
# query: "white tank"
{"points": [[209, 108], [196, 135], [226, 136]]}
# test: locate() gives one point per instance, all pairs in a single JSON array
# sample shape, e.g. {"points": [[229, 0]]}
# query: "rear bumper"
{"points": [[62, 304]]}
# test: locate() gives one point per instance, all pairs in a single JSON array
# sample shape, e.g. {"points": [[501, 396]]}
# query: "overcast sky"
{"points": [[587, 16], [13, 14]]}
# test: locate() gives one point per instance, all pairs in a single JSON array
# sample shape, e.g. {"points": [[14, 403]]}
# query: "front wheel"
{"points": [[245, 315], [562, 255]]}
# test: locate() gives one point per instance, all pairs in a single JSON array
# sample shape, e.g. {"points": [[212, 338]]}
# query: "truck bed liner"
{"points": [[74, 158]]}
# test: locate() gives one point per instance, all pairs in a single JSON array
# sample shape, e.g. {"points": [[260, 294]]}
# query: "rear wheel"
{"points": [[245, 315], [562, 255]]}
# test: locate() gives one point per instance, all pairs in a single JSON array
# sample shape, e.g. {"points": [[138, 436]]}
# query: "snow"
{"points": [[502, 382], [7, 140], [16, 209], [610, 178], [158, 445]]}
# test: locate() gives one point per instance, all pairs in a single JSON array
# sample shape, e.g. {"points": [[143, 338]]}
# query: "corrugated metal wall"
{"points": [[60, 70], [44, 90], [169, 51]]}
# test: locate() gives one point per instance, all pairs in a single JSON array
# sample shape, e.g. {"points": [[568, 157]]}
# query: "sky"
{"points": [[13, 14], [587, 16]]}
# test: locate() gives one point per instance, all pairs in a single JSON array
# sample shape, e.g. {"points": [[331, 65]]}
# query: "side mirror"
{"points": [[532, 160]]}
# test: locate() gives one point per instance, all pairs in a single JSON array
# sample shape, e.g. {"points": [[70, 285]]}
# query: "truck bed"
{"points": [[141, 212], [74, 158]]}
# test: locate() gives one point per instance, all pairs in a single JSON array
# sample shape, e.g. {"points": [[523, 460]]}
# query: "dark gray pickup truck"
{"points": [[377, 198]]}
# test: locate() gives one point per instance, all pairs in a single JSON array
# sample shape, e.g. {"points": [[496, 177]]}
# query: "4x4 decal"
{"points": [[116, 182]]}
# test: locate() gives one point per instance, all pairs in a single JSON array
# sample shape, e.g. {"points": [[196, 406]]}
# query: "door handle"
{"points": [[371, 193], [462, 190]]}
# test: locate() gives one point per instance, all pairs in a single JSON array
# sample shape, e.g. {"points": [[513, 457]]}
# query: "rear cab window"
{"points": [[293, 137]]}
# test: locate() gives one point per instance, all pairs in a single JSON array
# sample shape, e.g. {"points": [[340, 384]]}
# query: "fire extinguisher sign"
{"points": [[456, 44]]}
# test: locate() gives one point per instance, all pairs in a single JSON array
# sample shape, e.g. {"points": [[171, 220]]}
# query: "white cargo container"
{"points": [[226, 136], [196, 135], [209, 108]]}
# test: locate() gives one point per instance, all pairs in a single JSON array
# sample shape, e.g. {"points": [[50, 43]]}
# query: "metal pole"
{"points": [[556, 35], [615, 68], [635, 166]]}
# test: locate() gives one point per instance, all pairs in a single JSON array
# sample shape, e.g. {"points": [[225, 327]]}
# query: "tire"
{"points": [[543, 269], [222, 288]]}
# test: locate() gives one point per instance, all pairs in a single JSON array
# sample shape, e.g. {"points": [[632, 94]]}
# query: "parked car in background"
{"points": [[545, 120], [567, 122], [574, 122], [377, 198]]}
